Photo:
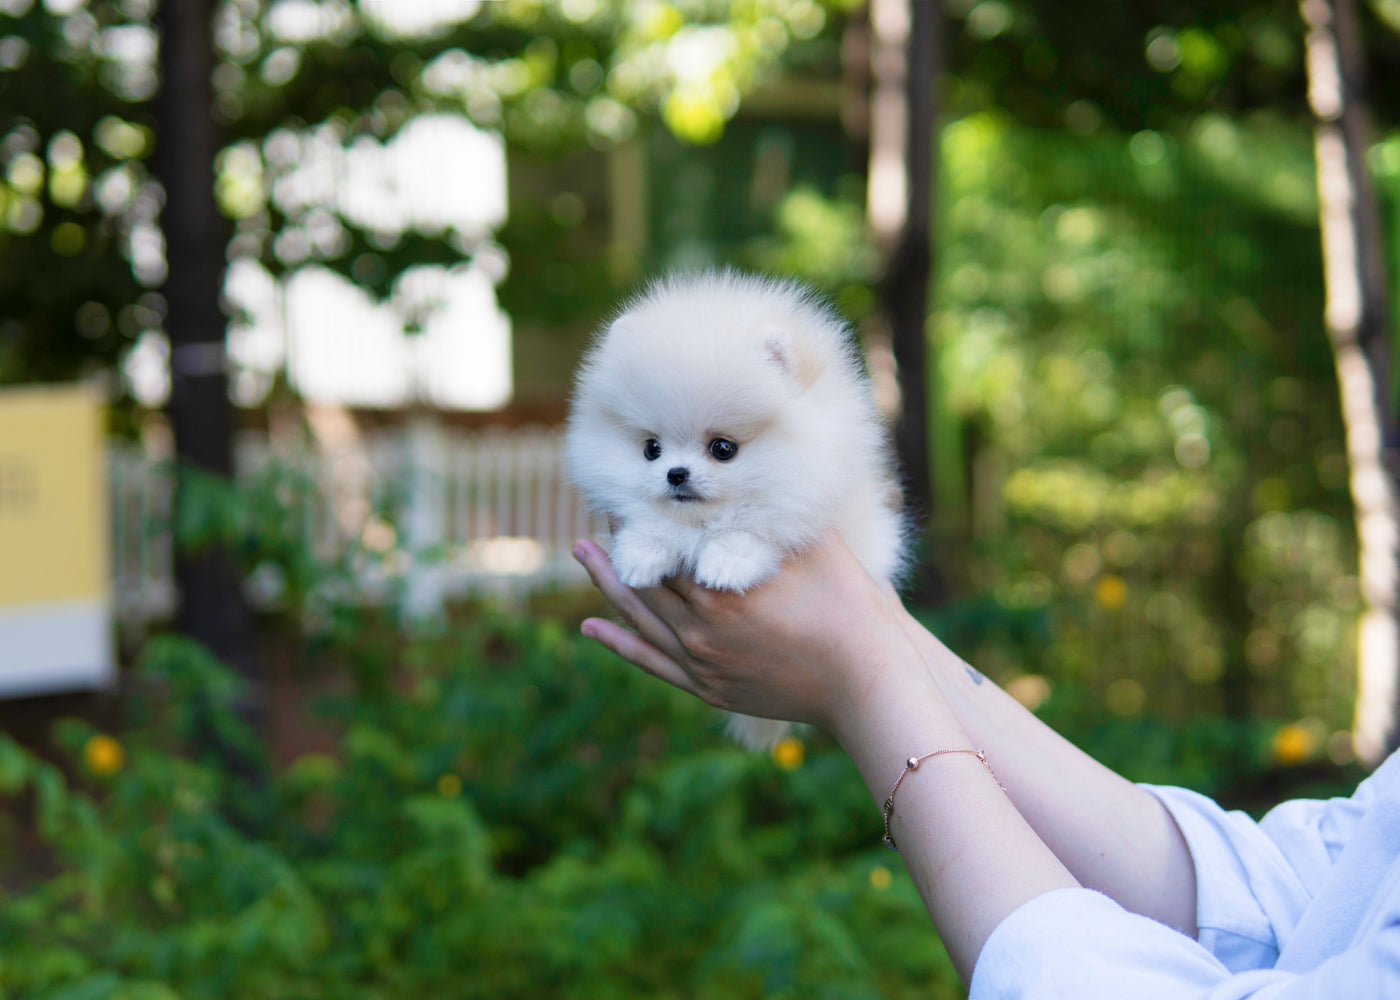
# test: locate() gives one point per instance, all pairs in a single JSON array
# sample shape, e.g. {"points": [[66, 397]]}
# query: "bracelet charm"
{"points": [[912, 764]]}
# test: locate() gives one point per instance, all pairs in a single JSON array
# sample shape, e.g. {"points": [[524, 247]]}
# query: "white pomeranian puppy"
{"points": [[722, 422]]}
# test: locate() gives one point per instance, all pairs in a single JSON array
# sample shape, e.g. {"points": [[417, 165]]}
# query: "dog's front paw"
{"points": [[736, 561], [640, 562]]}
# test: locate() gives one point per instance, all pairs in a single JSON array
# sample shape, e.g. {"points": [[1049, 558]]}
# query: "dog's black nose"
{"points": [[677, 475]]}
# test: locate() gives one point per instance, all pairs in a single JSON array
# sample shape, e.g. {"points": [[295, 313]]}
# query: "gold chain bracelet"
{"points": [[912, 764]]}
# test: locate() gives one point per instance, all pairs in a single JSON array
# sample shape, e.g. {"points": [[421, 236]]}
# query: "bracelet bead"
{"points": [[911, 764]]}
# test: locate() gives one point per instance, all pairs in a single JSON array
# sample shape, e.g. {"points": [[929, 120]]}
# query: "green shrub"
{"points": [[509, 812]]}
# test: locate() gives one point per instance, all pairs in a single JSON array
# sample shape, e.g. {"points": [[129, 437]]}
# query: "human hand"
{"points": [[822, 642], [809, 644]]}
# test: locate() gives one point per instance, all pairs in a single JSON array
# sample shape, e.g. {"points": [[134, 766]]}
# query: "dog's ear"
{"points": [[784, 353]]}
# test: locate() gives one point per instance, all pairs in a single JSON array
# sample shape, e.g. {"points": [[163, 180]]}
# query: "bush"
{"points": [[509, 812]]}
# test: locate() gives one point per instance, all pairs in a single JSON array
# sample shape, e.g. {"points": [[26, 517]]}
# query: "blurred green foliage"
{"points": [[1141, 475], [79, 208], [1147, 65], [498, 809], [1138, 449], [1142, 434], [506, 811]]}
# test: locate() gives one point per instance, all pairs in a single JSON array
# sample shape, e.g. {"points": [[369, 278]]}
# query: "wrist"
{"points": [[954, 675], [897, 712]]}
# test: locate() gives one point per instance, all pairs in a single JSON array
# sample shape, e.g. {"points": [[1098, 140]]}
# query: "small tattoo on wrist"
{"points": [[972, 672]]}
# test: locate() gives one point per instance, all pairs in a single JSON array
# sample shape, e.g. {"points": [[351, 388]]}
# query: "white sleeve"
{"points": [[1076, 944], [1254, 880]]}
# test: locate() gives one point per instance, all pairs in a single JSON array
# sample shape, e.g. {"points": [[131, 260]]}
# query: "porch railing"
{"points": [[440, 514]]}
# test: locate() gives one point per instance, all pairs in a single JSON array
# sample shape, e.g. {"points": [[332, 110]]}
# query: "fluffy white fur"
{"points": [[753, 361]]}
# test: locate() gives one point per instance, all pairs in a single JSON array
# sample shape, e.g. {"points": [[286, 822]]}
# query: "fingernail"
{"points": [[578, 552]]}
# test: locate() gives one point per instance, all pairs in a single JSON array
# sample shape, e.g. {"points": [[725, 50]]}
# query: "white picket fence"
{"points": [[429, 513]]}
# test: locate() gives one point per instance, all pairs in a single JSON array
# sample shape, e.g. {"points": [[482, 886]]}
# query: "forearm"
{"points": [[1112, 835], [821, 643], [972, 856]]}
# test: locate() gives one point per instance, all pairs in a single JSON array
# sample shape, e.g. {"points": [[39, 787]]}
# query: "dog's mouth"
{"points": [[683, 494]]}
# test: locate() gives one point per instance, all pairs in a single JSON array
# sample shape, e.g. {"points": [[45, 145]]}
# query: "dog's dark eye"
{"points": [[652, 449], [723, 449]]}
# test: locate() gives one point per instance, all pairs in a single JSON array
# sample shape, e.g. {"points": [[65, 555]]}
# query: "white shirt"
{"points": [[1303, 904]]}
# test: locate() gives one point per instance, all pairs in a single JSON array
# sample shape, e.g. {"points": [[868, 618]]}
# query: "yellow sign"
{"points": [[53, 535], [54, 630]]}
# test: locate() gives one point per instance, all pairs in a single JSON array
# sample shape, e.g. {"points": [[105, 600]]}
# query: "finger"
{"points": [[682, 586], [665, 602], [637, 651]]}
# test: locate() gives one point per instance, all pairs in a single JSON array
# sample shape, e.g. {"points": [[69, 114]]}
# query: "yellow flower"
{"points": [[103, 755], [788, 753], [449, 785], [1125, 696], [1293, 744], [880, 878], [1110, 591]]}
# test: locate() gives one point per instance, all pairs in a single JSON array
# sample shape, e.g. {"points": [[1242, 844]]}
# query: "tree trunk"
{"points": [[1357, 320], [212, 605], [905, 53]]}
